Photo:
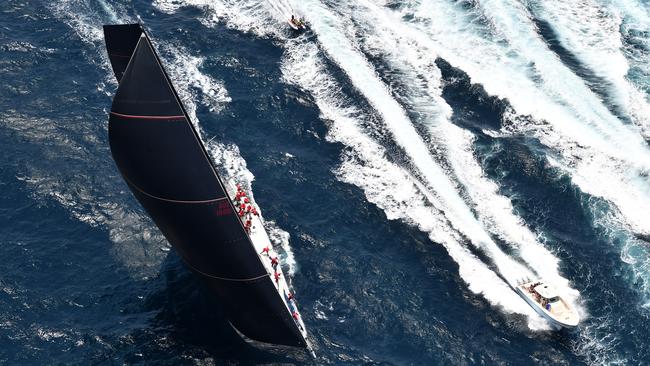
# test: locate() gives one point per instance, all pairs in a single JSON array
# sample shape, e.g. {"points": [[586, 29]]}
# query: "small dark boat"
{"points": [[163, 161], [297, 24]]}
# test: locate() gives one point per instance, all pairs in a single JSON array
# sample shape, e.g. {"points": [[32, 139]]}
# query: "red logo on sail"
{"points": [[223, 209]]}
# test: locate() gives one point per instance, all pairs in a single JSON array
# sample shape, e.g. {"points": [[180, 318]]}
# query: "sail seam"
{"points": [[226, 279], [170, 200], [145, 117]]}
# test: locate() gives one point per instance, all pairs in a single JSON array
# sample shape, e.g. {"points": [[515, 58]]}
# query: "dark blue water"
{"points": [[86, 278]]}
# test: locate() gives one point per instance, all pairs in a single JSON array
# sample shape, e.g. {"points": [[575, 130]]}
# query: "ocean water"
{"points": [[412, 160]]}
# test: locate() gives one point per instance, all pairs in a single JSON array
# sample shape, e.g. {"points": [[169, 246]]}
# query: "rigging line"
{"points": [[128, 181]]}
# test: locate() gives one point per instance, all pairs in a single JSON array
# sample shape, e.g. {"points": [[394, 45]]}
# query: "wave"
{"points": [[422, 90], [386, 184], [247, 16], [592, 33], [510, 60], [443, 192]]}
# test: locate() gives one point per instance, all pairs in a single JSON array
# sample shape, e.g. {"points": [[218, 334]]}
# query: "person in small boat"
{"points": [[296, 21]]}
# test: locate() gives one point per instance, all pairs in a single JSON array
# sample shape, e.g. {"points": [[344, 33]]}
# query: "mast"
{"points": [[164, 163]]}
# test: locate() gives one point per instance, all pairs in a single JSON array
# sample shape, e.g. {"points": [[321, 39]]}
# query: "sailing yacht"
{"points": [[165, 164]]}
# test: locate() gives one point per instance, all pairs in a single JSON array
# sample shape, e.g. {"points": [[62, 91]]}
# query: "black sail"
{"points": [[165, 164], [120, 44]]}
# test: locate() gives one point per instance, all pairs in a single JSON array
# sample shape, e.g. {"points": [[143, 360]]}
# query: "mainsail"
{"points": [[166, 166]]}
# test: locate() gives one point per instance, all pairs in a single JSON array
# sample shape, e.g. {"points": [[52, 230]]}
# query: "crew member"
{"points": [[295, 315], [274, 262], [266, 250], [277, 276]]}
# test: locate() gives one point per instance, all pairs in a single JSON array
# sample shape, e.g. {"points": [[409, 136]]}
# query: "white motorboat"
{"points": [[547, 302]]}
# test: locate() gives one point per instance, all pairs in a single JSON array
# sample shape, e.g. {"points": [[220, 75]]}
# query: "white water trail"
{"points": [[591, 33], [247, 16], [634, 30], [341, 50], [388, 185], [497, 46], [423, 91]]}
